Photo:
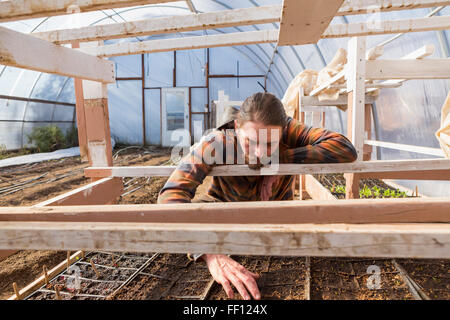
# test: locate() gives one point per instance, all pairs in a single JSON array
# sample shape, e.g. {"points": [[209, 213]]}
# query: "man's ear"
{"points": [[236, 125]]}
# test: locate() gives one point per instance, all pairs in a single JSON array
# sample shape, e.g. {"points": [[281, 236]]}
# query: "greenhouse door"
{"points": [[175, 117]]}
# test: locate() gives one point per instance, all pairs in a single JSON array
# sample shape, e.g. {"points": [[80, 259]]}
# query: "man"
{"points": [[284, 139]]}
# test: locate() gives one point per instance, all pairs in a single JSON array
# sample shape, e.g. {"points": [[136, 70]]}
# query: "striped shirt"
{"points": [[299, 144]]}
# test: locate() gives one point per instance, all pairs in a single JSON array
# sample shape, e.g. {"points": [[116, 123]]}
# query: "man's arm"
{"points": [[317, 145], [190, 173]]}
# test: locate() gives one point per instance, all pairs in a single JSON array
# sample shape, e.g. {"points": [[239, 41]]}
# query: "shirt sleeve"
{"points": [[192, 170], [316, 145]]}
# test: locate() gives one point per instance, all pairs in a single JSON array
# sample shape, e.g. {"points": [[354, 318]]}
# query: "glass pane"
{"points": [[175, 110]]}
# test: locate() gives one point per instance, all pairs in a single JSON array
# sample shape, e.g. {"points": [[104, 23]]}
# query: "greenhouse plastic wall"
{"points": [[409, 114]]}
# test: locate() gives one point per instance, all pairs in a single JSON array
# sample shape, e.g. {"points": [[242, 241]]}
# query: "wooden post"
{"points": [[79, 109], [98, 133], [367, 150], [95, 269], [16, 291], [301, 114], [68, 260], [58, 294], [45, 271], [355, 75]]}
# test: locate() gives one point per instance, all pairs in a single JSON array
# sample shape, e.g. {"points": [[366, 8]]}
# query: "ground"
{"points": [[173, 276]]}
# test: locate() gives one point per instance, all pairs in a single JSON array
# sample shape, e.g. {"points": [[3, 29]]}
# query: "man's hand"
{"points": [[226, 271], [266, 187]]}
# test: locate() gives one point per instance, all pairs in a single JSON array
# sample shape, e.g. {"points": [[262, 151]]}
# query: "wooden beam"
{"points": [[415, 210], [408, 69], [355, 74], [387, 27], [173, 24], [304, 21], [80, 114], [24, 51], [443, 175], [405, 147], [11, 10], [351, 7], [421, 53], [187, 43], [103, 191], [98, 132], [283, 169], [381, 240], [316, 190], [341, 101]]}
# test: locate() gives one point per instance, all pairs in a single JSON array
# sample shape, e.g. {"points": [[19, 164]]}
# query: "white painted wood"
{"points": [[172, 24], [426, 240], [24, 51], [406, 147], [26, 9], [187, 43], [351, 7], [423, 52], [283, 169], [180, 136], [355, 73], [341, 101], [327, 84], [408, 69], [387, 27]]}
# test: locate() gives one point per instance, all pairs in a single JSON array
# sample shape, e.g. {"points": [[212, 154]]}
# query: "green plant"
{"points": [[376, 192], [47, 138], [365, 192], [340, 189], [72, 137]]}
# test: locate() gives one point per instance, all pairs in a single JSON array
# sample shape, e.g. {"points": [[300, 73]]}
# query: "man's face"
{"points": [[258, 142]]}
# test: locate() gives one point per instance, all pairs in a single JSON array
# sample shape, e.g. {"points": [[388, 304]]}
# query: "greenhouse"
{"points": [[98, 97]]}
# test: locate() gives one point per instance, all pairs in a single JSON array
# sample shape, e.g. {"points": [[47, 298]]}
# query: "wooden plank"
{"points": [[316, 190], [172, 24], [80, 114], [352, 7], [304, 21], [186, 43], [27, 9], [387, 27], [405, 147], [103, 191], [381, 240], [423, 52], [408, 69], [24, 51], [415, 210], [97, 123], [443, 175], [341, 101], [356, 77], [36, 284], [282, 169]]}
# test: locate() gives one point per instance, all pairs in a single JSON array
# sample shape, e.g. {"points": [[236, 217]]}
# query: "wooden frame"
{"points": [[376, 228], [191, 22], [374, 166], [19, 9], [24, 51], [351, 240], [186, 43]]}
